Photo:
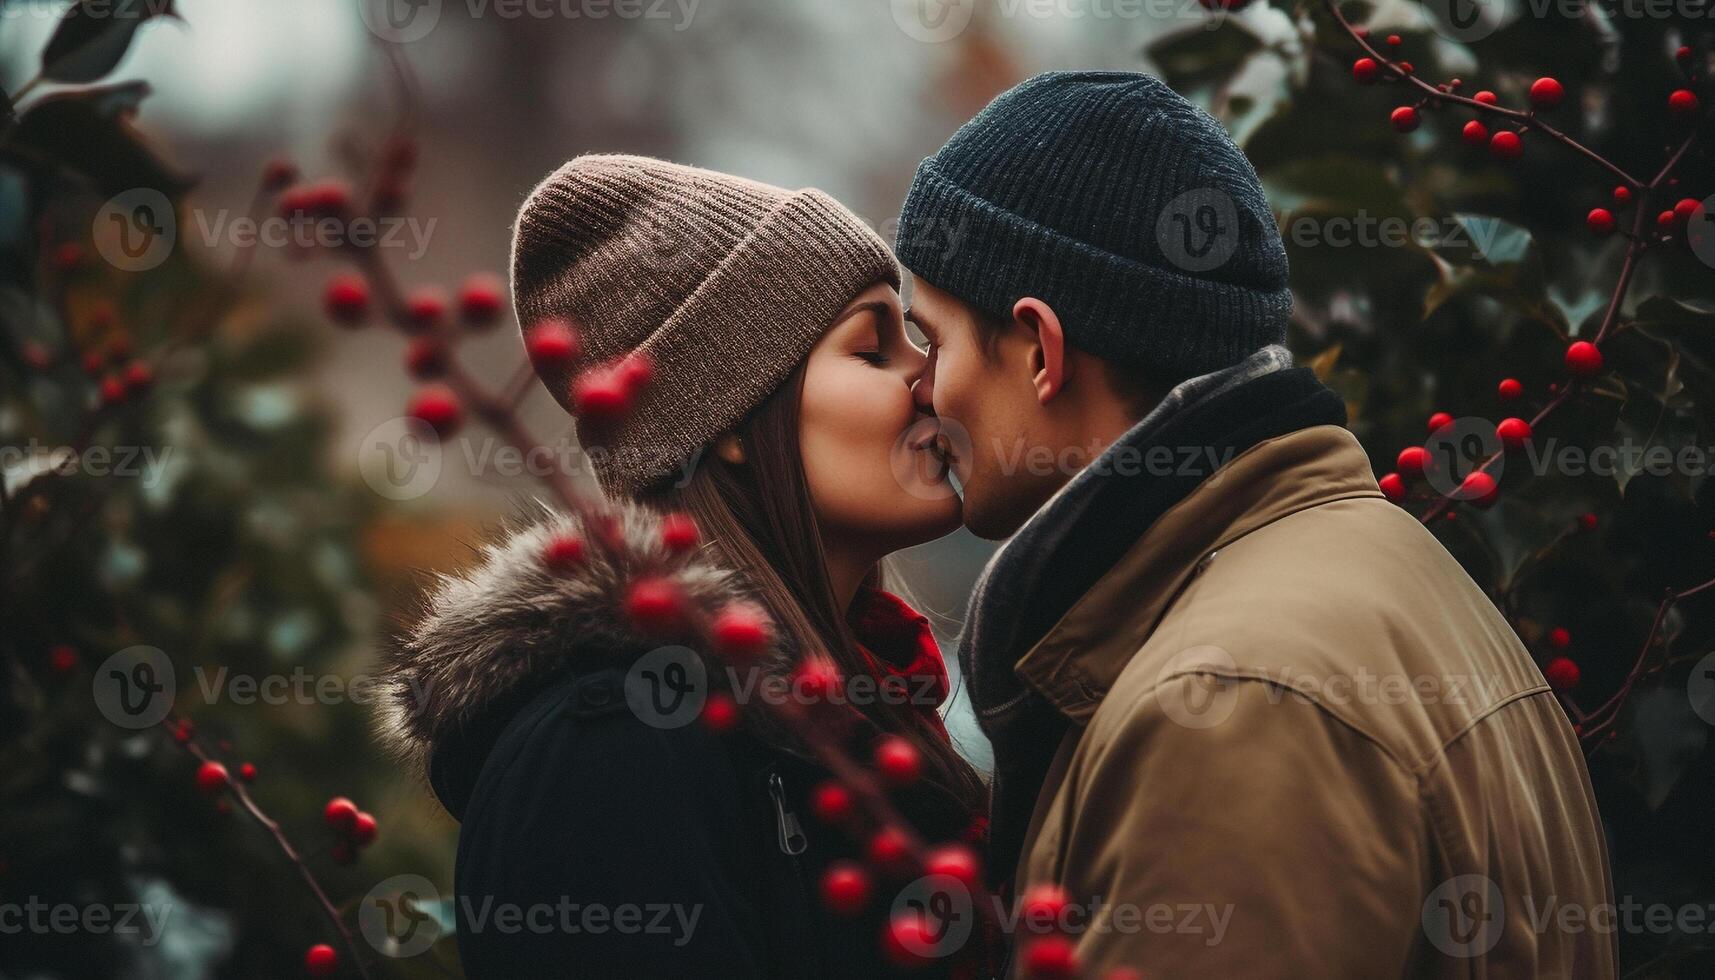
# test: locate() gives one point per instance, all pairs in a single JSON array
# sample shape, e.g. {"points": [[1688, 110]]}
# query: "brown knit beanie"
{"points": [[724, 283]]}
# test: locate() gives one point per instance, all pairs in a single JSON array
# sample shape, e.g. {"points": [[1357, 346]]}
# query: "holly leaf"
{"points": [[1322, 365], [90, 131], [94, 36], [1200, 56]]}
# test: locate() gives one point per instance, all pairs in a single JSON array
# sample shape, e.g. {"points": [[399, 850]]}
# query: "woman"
{"points": [[604, 831]]}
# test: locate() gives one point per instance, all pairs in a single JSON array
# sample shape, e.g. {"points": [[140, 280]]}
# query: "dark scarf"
{"points": [[1082, 532]]}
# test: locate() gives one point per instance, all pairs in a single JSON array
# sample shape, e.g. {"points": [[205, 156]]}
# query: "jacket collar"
{"points": [[1075, 664]]}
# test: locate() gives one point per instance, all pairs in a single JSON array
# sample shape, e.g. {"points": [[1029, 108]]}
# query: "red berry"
{"points": [[363, 829], [320, 960], [897, 760], [1562, 673], [425, 358], [1665, 220], [720, 711], [655, 605], [347, 299], [1683, 209], [887, 849], [845, 888], [278, 174], [183, 731], [1514, 432], [1622, 194], [1041, 906], [340, 813], [139, 375], [63, 658], [563, 552], [600, 395], [679, 533], [1600, 221], [1365, 70], [1050, 958], [1682, 53], [1546, 93], [1404, 66], [1479, 488], [908, 940], [1683, 102], [1506, 145], [831, 802], [112, 390], [68, 257], [551, 343], [1559, 638], [1439, 421], [956, 861], [212, 778], [1404, 118], [1393, 486], [1475, 133], [1587, 521], [481, 300], [247, 772], [817, 678], [740, 631], [635, 372], [437, 407], [1485, 97], [425, 308], [1412, 461], [1583, 359], [1393, 40], [1510, 388]]}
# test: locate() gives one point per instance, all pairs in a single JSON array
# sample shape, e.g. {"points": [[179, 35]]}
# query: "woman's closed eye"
{"points": [[875, 357]]}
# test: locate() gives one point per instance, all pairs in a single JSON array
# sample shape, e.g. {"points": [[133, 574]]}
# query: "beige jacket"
{"points": [[1306, 745]]}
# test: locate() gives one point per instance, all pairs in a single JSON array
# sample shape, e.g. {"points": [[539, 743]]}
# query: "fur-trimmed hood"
{"points": [[497, 631]]}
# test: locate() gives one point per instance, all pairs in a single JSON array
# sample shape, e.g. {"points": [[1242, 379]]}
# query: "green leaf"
{"points": [[1201, 55], [90, 131], [94, 36]]}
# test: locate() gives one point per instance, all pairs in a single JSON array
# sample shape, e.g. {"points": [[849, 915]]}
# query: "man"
{"points": [[1249, 717]]}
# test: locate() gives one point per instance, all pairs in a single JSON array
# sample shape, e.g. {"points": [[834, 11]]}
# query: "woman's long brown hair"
{"points": [[759, 515]]}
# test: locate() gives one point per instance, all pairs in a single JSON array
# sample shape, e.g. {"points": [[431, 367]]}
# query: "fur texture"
{"points": [[510, 621]]}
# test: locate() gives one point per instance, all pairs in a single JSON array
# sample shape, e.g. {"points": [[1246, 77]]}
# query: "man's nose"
{"points": [[923, 389]]}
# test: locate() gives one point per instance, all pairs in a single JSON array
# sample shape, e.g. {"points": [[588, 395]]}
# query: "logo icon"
{"points": [[1700, 231], [1192, 690], [400, 459], [667, 686], [1701, 687], [135, 687], [400, 21], [944, 904], [933, 21], [1459, 447], [136, 231], [1464, 20], [1199, 229], [393, 916], [1464, 916], [929, 455]]}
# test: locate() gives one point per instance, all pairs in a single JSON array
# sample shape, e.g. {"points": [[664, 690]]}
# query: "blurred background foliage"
{"points": [[254, 547]]}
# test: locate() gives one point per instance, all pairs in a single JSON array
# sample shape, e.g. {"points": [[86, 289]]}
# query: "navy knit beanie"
{"points": [[1118, 203]]}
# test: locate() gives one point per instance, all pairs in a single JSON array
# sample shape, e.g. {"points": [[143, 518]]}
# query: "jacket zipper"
{"points": [[792, 840]]}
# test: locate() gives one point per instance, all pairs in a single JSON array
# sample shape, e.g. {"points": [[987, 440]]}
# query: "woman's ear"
{"points": [[730, 447]]}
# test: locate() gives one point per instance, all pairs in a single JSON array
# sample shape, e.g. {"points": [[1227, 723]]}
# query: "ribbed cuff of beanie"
{"points": [[740, 333], [1160, 320]]}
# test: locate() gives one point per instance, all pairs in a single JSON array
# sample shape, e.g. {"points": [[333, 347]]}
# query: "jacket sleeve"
{"points": [[629, 843], [1257, 836]]}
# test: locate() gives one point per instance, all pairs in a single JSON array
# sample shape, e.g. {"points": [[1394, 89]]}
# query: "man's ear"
{"points": [[730, 447], [1050, 368]]}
